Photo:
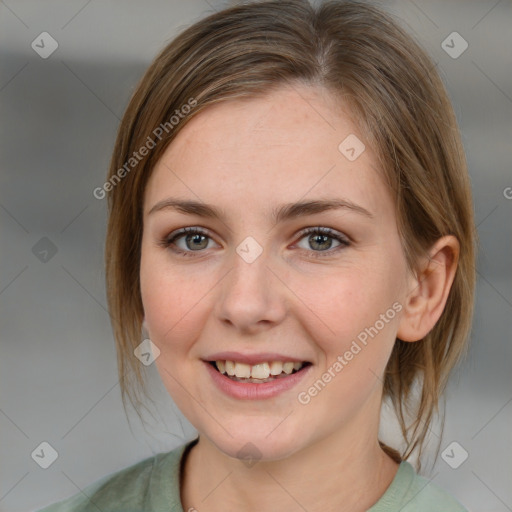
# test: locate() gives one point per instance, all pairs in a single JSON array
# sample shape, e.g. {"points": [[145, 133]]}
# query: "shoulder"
{"points": [[112, 492], [130, 489], [411, 492], [425, 495]]}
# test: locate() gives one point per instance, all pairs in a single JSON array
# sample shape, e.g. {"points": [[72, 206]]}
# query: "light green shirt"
{"points": [[154, 485]]}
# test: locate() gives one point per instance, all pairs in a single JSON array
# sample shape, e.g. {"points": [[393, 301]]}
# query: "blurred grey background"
{"points": [[58, 119]]}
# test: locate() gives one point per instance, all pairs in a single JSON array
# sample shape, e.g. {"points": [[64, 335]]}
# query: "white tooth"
{"points": [[230, 368], [221, 366], [288, 368], [276, 367], [297, 366], [242, 370], [260, 371]]}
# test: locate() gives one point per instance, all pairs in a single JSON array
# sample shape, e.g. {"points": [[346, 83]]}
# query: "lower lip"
{"points": [[253, 391]]}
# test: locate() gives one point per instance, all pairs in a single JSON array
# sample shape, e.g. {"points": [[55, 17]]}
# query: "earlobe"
{"points": [[429, 290]]}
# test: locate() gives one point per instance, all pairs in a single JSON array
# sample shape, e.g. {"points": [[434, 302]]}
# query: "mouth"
{"points": [[258, 373]]}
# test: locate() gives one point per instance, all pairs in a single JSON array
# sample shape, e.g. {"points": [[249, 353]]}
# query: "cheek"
{"points": [[170, 300], [177, 301], [172, 305], [344, 305], [170, 313], [359, 313]]}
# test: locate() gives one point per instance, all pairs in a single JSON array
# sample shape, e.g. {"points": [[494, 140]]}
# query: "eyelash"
{"points": [[167, 242]]}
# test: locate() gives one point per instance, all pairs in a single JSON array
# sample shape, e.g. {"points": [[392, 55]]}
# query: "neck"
{"points": [[342, 472]]}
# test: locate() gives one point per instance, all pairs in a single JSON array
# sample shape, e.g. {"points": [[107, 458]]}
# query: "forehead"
{"points": [[267, 150]]}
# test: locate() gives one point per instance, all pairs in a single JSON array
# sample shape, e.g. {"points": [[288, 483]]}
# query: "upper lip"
{"points": [[253, 359]]}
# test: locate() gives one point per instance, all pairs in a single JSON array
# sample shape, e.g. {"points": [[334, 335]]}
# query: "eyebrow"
{"points": [[282, 213]]}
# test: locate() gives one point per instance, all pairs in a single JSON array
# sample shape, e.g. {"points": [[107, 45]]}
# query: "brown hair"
{"points": [[400, 105]]}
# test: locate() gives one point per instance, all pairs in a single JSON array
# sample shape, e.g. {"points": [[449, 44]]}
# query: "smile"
{"points": [[291, 373], [258, 373]]}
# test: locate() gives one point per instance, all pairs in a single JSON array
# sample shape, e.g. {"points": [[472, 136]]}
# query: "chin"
{"points": [[257, 444]]}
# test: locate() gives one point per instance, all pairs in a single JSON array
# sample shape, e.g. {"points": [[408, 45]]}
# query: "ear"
{"points": [[429, 289]]}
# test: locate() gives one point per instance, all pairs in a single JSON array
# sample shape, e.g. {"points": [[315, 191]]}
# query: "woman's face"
{"points": [[259, 287]]}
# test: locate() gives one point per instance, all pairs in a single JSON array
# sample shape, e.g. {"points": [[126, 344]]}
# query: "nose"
{"points": [[251, 297]]}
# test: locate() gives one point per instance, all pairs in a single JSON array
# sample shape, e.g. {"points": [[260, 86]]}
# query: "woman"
{"points": [[290, 220]]}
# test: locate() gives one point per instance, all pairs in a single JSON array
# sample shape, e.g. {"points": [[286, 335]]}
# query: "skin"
{"points": [[247, 157]]}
